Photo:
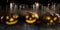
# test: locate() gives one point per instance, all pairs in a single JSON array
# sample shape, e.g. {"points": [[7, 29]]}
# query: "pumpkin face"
{"points": [[10, 20], [30, 18], [49, 19]]}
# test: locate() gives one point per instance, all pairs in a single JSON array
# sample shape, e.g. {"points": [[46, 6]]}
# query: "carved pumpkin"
{"points": [[49, 19], [31, 18], [10, 20]]}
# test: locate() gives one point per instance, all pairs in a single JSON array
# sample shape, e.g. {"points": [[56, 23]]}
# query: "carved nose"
{"points": [[30, 18], [11, 19]]}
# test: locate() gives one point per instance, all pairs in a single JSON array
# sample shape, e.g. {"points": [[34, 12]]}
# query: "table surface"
{"points": [[25, 27]]}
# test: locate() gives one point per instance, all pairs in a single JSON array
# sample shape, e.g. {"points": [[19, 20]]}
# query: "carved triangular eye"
{"points": [[7, 17], [27, 16], [33, 15], [48, 17], [15, 16], [55, 18]]}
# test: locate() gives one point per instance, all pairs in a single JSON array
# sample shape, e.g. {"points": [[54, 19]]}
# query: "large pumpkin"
{"points": [[10, 19], [49, 19], [31, 17]]}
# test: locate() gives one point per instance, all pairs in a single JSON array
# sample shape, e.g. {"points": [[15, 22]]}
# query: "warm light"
{"points": [[30, 21], [27, 16], [15, 16], [33, 16], [11, 23], [7, 17], [48, 17], [51, 21], [11, 19], [55, 18], [30, 18]]}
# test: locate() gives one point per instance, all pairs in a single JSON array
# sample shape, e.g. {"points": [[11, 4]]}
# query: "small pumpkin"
{"points": [[31, 18], [10, 19], [49, 19]]}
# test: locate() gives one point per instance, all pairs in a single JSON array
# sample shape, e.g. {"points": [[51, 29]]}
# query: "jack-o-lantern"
{"points": [[50, 19], [10, 20], [31, 18]]}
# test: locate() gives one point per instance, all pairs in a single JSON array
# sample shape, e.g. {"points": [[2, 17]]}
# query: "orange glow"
{"points": [[48, 17], [27, 16], [55, 18], [11, 19], [11, 23], [33, 16], [7, 17], [30, 21], [51, 21]]}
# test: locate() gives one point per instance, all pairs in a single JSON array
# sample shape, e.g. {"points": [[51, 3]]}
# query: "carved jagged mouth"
{"points": [[11, 23], [30, 21]]}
